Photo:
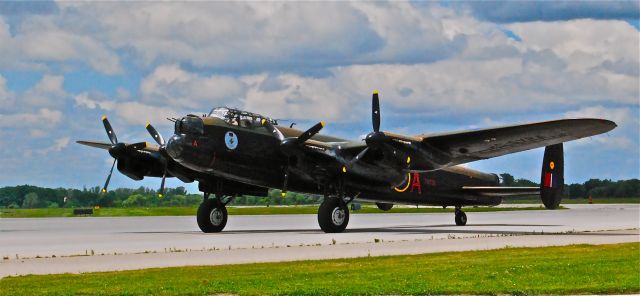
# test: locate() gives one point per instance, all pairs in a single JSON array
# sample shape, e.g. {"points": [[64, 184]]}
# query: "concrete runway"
{"points": [[141, 242]]}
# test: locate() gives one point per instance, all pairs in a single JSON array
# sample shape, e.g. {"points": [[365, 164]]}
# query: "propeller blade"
{"points": [[310, 132], [274, 131], [106, 184], [164, 176], [359, 156], [286, 181], [375, 111], [155, 134], [109, 129]]}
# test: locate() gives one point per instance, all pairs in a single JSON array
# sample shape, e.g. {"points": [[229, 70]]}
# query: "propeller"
{"points": [[375, 111], [375, 139], [106, 184], [113, 150], [158, 138], [117, 149], [110, 133], [289, 146], [376, 136], [155, 134]]}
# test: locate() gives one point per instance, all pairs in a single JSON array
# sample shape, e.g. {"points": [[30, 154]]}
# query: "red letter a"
{"points": [[416, 183]]}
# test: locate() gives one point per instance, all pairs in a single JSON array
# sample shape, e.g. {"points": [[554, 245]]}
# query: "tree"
{"points": [[31, 201], [507, 179]]}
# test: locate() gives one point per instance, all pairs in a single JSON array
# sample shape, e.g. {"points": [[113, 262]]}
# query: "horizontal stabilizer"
{"points": [[502, 191]]}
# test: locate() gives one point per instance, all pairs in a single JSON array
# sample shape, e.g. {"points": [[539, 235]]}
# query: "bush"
{"points": [[31, 201]]}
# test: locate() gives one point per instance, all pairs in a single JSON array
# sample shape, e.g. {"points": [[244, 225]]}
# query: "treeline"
{"points": [[27, 196], [595, 188]]}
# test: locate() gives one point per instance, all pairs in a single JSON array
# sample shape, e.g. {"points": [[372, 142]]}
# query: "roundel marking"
{"points": [[231, 140], [552, 165]]}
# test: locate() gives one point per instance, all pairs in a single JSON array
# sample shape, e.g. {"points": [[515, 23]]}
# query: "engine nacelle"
{"points": [[139, 165]]}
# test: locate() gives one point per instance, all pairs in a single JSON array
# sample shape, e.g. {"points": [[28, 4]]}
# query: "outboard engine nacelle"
{"points": [[552, 176]]}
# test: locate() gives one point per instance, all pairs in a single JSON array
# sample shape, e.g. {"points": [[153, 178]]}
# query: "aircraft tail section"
{"points": [[552, 176]]}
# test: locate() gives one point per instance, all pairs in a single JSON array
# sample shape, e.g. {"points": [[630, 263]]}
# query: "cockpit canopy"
{"points": [[239, 117]]}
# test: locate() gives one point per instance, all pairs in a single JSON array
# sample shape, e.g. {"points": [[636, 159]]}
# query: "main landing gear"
{"points": [[333, 215], [212, 214], [461, 217]]}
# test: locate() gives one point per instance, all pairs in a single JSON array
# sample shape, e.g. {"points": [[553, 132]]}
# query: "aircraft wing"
{"points": [[96, 144], [502, 191], [105, 145], [467, 146]]}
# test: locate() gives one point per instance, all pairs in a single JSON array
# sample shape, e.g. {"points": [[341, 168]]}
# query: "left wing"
{"points": [[106, 146], [467, 146]]}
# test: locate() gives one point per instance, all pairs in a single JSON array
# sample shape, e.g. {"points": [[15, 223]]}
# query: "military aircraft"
{"points": [[231, 152]]}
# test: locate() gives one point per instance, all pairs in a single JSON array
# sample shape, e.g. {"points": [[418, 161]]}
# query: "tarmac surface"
{"points": [[85, 244]]}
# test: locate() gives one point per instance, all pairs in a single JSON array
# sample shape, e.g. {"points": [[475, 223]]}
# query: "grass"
{"points": [[190, 211], [577, 269]]}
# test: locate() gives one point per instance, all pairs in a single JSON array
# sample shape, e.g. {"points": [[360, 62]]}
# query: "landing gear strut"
{"points": [[212, 215], [461, 217], [333, 215]]}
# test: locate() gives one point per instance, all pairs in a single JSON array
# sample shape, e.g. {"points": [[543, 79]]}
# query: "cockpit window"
{"points": [[219, 113], [239, 117]]}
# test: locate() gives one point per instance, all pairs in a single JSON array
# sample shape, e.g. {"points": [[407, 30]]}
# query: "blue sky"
{"points": [[439, 66]]}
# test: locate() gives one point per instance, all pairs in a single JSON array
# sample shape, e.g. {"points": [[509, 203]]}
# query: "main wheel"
{"points": [[333, 215], [461, 218], [212, 216]]}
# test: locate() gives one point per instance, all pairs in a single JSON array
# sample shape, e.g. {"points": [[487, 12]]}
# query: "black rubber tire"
{"points": [[461, 218], [204, 216], [325, 215]]}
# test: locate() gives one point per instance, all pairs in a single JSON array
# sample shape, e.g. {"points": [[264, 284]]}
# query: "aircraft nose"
{"points": [[175, 146]]}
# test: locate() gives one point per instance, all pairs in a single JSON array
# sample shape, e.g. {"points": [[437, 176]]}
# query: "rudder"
{"points": [[552, 176]]}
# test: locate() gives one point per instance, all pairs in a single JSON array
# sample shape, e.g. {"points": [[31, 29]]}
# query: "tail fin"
{"points": [[552, 176]]}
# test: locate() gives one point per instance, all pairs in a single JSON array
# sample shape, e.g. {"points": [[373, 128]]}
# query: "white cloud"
{"points": [[139, 113], [83, 100], [169, 84], [41, 40], [47, 92], [625, 136], [57, 146], [44, 118], [6, 96], [622, 116], [583, 43]]}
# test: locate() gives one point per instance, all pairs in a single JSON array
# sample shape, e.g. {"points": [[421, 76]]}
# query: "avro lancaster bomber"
{"points": [[230, 152]]}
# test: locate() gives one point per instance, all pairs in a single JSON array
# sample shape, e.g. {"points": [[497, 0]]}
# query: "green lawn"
{"points": [[578, 269], [190, 211]]}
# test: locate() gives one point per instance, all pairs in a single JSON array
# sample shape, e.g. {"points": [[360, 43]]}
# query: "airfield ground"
{"points": [[88, 244], [595, 269], [243, 210]]}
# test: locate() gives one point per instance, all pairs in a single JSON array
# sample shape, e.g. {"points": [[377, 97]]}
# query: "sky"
{"points": [[439, 66]]}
